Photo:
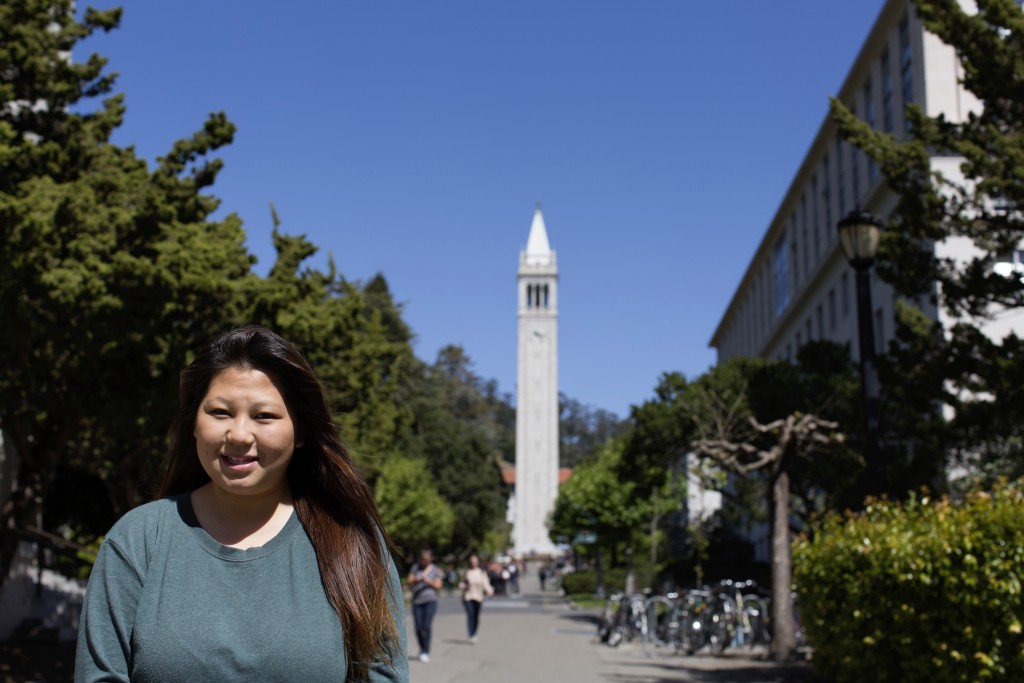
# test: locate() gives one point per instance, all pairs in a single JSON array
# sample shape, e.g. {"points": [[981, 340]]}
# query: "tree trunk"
{"points": [[783, 643], [654, 540], [630, 587], [34, 475]]}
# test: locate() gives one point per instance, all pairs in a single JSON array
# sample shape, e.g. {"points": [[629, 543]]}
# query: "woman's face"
{"points": [[474, 562], [245, 436]]}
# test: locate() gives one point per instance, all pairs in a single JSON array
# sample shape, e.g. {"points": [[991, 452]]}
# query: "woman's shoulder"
{"points": [[147, 523]]}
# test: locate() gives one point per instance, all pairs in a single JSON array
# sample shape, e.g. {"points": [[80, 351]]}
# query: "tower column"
{"points": [[536, 394]]}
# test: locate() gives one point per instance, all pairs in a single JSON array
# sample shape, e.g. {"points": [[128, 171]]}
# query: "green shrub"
{"points": [[927, 591], [585, 583]]}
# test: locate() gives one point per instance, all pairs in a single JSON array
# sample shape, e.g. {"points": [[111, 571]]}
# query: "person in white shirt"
{"points": [[475, 586]]}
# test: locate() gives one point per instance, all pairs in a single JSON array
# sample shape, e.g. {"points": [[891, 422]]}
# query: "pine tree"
{"points": [[981, 205], [110, 273]]}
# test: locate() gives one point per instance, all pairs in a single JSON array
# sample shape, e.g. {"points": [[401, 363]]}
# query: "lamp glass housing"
{"points": [[859, 234]]}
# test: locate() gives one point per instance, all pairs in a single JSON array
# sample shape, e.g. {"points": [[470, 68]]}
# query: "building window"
{"points": [[879, 332], [1010, 264], [820, 315], [840, 184], [781, 277], [809, 329], [832, 309], [799, 341], [756, 294], [844, 293], [855, 173], [906, 68], [759, 299], [815, 214], [826, 197], [887, 104], [798, 272], [869, 117], [807, 249]]}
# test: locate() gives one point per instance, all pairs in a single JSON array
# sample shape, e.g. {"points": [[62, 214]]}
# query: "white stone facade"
{"points": [[798, 286], [536, 394]]}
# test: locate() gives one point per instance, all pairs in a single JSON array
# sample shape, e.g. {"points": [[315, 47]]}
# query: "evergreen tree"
{"points": [[454, 433], [979, 205], [110, 273], [583, 429], [412, 510]]}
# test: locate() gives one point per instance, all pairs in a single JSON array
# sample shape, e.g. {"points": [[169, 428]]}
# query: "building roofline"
{"points": [[809, 162]]}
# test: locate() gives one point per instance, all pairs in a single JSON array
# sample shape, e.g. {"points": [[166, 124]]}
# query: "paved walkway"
{"points": [[537, 638]]}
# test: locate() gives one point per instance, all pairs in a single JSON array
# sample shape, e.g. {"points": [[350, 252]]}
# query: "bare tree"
{"points": [[734, 443]]}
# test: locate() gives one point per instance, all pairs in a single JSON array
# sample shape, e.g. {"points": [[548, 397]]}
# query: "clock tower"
{"points": [[536, 393]]}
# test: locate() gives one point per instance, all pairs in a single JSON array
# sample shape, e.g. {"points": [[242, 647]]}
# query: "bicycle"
{"points": [[623, 618]]}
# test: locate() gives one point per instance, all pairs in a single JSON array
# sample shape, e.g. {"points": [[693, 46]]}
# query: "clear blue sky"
{"points": [[413, 139]]}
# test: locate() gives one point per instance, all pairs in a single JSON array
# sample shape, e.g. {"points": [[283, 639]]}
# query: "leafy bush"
{"points": [[927, 591], [585, 583]]}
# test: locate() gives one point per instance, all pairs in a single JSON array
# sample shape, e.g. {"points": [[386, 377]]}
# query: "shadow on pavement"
{"points": [[581, 617], [699, 671]]}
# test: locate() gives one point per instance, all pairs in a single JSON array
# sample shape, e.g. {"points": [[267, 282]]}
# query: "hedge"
{"points": [[585, 583], [925, 591]]}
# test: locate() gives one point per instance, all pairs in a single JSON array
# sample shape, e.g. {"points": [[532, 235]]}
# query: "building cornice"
{"points": [[808, 167]]}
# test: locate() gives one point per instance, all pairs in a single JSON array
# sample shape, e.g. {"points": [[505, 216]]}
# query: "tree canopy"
{"points": [[114, 270], [977, 205]]}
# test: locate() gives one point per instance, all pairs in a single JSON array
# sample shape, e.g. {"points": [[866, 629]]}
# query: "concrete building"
{"points": [[798, 286], [536, 474]]}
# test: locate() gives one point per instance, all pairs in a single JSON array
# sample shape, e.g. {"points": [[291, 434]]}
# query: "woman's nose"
{"points": [[239, 431]]}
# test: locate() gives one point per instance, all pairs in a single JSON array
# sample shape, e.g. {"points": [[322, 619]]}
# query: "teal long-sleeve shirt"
{"points": [[166, 602]]}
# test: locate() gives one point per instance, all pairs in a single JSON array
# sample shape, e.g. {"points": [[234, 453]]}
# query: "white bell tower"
{"points": [[536, 393]]}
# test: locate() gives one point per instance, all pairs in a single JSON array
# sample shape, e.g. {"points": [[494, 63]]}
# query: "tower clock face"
{"points": [[537, 335]]}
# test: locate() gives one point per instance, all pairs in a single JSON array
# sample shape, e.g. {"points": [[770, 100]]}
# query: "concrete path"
{"points": [[537, 638]]}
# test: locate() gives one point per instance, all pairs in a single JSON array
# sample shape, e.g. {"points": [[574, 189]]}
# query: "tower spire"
{"points": [[538, 249]]}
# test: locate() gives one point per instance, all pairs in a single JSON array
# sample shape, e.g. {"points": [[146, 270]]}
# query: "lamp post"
{"points": [[859, 235]]}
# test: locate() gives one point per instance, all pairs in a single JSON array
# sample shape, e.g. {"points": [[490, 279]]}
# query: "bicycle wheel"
{"points": [[636, 624], [608, 617], [659, 611], [723, 624], [618, 632], [755, 620]]}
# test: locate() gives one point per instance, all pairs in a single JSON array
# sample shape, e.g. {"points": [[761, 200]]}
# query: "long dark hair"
{"points": [[333, 501]]}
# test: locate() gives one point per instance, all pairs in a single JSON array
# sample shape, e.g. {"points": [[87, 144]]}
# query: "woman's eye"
{"points": [[266, 416], [217, 412]]}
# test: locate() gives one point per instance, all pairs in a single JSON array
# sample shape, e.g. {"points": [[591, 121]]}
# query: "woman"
{"points": [[475, 585], [264, 558], [425, 580]]}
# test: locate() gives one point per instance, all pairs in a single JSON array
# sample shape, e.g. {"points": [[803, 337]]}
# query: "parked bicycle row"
{"points": [[729, 614]]}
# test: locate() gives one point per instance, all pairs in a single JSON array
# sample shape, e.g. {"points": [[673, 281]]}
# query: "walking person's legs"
{"points": [[472, 617], [419, 616], [429, 608]]}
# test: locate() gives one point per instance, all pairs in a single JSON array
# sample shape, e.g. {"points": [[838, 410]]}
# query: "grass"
{"points": [[585, 601]]}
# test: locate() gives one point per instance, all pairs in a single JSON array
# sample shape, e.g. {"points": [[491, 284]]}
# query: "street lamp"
{"points": [[859, 235]]}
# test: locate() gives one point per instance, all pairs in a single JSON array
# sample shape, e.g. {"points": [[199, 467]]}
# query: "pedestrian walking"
{"points": [[223, 578], [425, 580], [475, 587], [513, 578]]}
